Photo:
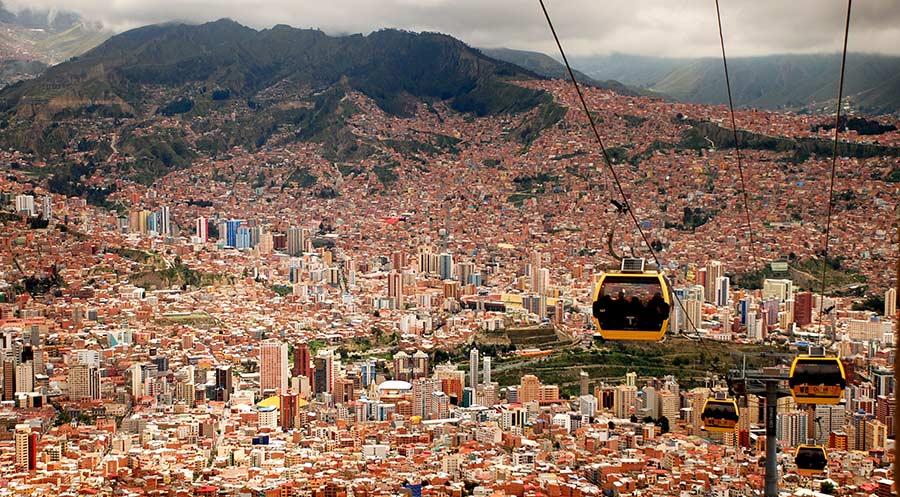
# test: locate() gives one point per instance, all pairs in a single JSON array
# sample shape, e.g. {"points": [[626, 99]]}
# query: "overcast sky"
{"points": [[680, 28]]}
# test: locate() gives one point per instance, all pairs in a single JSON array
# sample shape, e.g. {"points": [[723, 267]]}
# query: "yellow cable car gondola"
{"points": [[720, 415], [632, 303], [817, 380], [811, 460]]}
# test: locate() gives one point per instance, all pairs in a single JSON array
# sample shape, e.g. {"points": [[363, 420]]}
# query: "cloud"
{"points": [[686, 28]]}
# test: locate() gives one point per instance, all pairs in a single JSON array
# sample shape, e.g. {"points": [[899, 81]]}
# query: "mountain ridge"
{"points": [[549, 67], [780, 81], [269, 79]]}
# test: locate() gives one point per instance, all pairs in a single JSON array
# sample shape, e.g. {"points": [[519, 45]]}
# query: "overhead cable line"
{"points": [[737, 147], [606, 159], [834, 154]]}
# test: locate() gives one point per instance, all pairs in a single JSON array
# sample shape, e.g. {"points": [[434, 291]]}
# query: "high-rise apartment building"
{"points": [[777, 289], [273, 367], [25, 204], [224, 383], [323, 377], [84, 382], [26, 448], [890, 303], [201, 227], [714, 271], [803, 304], [296, 239], [473, 368], [395, 289], [302, 361], [529, 388]]}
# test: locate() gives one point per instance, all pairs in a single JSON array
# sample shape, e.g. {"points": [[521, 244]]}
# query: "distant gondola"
{"points": [[632, 303], [811, 460], [720, 415], [817, 380]]}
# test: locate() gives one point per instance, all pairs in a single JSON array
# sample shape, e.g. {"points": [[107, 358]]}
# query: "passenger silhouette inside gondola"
{"points": [[619, 308], [635, 311], [603, 310], [657, 311]]}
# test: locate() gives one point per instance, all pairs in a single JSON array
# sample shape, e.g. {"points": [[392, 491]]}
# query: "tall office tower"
{"points": [[792, 427], [631, 379], [402, 366], [9, 378], [290, 407], [185, 388], [395, 289], [650, 402], [536, 258], [224, 383], [676, 325], [136, 380], [543, 281], [446, 266], [26, 448], [242, 238], [464, 270], [302, 361], [323, 381], [256, 233], [625, 403], [694, 292], [777, 289], [803, 304], [25, 377], [890, 303], [473, 368], [559, 311], [714, 271], [47, 208], [668, 405], [883, 381], [273, 367], [153, 223], [529, 388], [583, 379], [425, 260], [202, 228], [231, 229], [266, 243], [165, 221], [398, 260], [702, 282], [420, 364], [487, 369], [722, 288], [423, 398], [295, 241], [25, 204], [694, 315], [84, 382], [367, 372], [754, 326]]}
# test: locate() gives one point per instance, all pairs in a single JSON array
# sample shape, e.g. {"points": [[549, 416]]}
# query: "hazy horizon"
{"points": [[640, 27]]}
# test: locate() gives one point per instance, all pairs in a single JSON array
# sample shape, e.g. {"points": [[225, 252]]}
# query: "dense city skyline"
{"points": [[284, 264]]}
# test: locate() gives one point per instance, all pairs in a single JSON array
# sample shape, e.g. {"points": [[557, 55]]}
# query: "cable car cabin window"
{"points": [[631, 303], [720, 411], [720, 415], [817, 380], [811, 458], [817, 373]]}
